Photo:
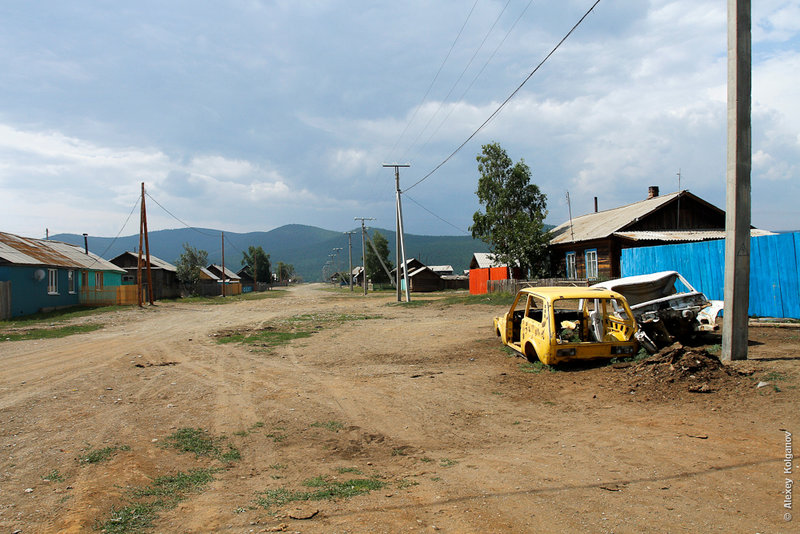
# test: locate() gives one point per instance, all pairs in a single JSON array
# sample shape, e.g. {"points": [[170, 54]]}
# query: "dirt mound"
{"points": [[676, 366]]}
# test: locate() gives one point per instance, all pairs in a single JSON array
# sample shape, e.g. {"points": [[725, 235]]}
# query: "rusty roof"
{"points": [[17, 250], [683, 235]]}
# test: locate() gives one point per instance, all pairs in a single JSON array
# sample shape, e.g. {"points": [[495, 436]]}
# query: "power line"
{"points": [[478, 75], [435, 77], [432, 213], [179, 220], [502, 105], [445, 99], [118, 233]]}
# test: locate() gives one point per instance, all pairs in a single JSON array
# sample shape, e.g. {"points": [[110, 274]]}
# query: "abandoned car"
{"points": [[666, 306], [561, 324]]}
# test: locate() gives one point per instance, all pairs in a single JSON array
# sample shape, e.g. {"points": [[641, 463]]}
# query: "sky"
{"points": [[246, 115]]}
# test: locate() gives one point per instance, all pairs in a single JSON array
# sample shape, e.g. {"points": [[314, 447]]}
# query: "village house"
{"points": [[163, 274], [589, 247]]}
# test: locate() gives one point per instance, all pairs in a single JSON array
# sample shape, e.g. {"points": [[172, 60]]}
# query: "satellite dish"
{"points": [[39, 275]]}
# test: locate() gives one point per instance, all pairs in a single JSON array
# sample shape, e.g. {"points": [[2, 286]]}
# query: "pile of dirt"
{"points": [[685, 368]]}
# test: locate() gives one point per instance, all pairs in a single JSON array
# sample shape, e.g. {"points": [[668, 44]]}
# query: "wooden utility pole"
{"points": [[350, 255], [223, 264], [400, 250], [364, 250], [737, 208], [143, 234]]}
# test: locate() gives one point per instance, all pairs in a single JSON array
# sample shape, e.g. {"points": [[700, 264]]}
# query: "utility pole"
{"points": [[336, 251], [364, 250], [400, 251], [140, 263], [350, 255], [223, 264], [737, 208], [678, 223]]}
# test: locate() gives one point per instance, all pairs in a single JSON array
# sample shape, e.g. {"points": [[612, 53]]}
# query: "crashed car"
{"points": [[666, 306], [561, 324]]}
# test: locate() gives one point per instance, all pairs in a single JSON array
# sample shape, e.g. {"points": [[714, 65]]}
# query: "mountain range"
{"points": [[305, 247]]}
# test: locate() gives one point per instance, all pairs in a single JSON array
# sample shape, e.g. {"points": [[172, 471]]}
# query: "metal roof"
{"points": [[230, 274], [484, 260], [18, 250], [684, 235], [602, 224], [155, 263]]}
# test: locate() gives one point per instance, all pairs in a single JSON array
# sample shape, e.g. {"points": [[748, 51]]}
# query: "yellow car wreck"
{"points": [[562, 324]]}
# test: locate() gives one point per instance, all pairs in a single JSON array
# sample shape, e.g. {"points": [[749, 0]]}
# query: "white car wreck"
{"points": [[666, 306]]}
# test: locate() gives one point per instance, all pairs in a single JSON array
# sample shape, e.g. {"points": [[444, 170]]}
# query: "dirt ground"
{"points": [[463, 436]]}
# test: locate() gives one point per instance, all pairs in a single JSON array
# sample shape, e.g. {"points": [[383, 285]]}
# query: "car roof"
{"points": [[571, 292]]}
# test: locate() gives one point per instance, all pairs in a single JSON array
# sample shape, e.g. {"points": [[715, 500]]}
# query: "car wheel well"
{"points": [[530, 352]]}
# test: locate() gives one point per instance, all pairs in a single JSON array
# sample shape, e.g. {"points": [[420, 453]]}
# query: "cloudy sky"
{"points": [[245, 115]]}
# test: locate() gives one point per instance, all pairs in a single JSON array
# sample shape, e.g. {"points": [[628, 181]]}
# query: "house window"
{"points": [[98, 280], [572, 271], [52, 281], [71, 281], [591, 264]]}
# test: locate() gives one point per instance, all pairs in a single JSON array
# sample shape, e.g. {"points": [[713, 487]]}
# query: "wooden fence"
{"points": [[513, 286]]}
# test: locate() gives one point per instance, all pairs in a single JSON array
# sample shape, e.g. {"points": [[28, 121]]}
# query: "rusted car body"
{"points": [[561, 324], [666, 306]]}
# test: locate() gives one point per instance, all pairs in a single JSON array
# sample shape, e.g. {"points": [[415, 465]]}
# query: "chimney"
{"points": [[86, 243], [652, 191], [595, 204]]}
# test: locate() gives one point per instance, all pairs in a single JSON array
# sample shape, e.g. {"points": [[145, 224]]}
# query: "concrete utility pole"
{"points": [[364, 250], [223, 264], [737, 204], [400, 250], [350, 256], [336, 251]]}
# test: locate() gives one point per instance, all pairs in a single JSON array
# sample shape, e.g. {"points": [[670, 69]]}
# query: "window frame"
{"points": [[98, 279], [71, 282], [571, 259], [592, 267], [52, 281]]}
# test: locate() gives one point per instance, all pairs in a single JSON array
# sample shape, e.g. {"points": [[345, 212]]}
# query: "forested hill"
{"points": [[305, 247]]}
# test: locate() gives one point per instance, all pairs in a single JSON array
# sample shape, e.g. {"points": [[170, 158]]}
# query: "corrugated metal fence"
{"points": [[774, 270]]}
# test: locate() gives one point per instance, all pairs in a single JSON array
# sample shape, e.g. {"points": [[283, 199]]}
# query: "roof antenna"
{"points": [[569, 206]]}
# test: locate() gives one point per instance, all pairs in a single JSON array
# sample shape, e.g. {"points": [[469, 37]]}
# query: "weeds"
{"points": [[536, 367], [333, 426], [197, 441], [343, 470], [53, 476], [48, 333], [101, 455], [447, 462], [322, 489]]}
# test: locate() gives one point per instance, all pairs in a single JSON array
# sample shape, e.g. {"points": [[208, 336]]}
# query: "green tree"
{"points": [[255, 257], [285, 271], [373, 265], [513, 222], [188, 266]]}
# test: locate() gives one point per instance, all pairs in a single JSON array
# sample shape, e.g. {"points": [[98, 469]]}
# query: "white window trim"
{"points": [[572, 261], [592, 267], [52, 281], [72, 282]]}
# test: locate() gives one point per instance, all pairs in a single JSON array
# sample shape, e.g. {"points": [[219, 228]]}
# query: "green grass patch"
{"points": [[333, 426], [343, 470], [321, 489], [164, 493], [53, 476], [406, 483], [447, 462], [64, 314], [47, 333], [200, 443], [536, 367], [95, 456]]}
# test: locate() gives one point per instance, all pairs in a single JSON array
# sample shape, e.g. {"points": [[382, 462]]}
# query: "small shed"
{"points": [[423, 280], [233, 284], [484, 267]]}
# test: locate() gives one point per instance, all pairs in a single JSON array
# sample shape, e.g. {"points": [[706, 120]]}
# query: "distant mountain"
{"points": [[305, 247]]}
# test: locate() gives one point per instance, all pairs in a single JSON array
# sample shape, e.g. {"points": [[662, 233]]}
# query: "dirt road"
{"points": [[455, 434]]}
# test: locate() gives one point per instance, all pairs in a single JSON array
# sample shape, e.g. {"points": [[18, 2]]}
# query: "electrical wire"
{"points": [[177, 219], [478, 75], [99, 257], [435, 77], [441, 219], [512, 95], [452, 88]]}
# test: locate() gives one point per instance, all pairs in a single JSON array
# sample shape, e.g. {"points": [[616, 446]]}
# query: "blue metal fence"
{"points": [[774, 270]]}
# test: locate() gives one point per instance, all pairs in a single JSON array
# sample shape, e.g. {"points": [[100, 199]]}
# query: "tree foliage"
{"points": [[257, 262], [373, 266], [284, 271], [189, 264], [513, 222]]}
